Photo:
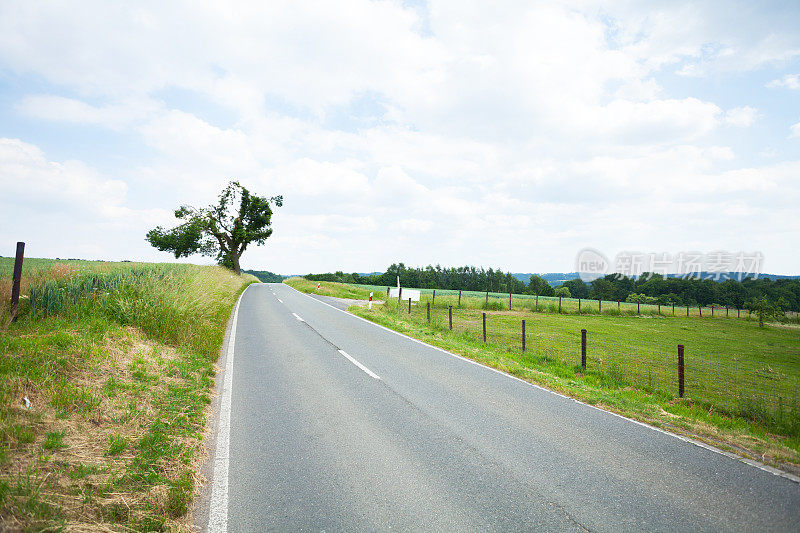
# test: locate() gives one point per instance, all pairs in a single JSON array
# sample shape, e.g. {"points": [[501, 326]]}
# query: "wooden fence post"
{"points": [[487, 297], [434, 297], [638, 304], [583, 348], [600, 305], [673, 308], [16, 279], [680, 371], [700, 308], [559, 305], [450, 314], [687, 310], [459, 297], [537, 300], [409, 306], [523, 334], [509, 301], [484, 327], [579, 305], [429, 311]]}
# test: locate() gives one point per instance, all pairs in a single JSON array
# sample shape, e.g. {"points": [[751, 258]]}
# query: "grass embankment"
{"points": [[117, 363], [337, 290], [742, 381]]}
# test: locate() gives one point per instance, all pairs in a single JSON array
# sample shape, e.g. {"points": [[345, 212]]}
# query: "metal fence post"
{"points": [[429, 311], [16, 280], [680, 371], [523, 335], [484, 327], [583, 348], [450, 313]]}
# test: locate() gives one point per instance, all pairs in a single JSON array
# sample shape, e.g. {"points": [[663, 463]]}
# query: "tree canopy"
{"points": [[224, 230]]}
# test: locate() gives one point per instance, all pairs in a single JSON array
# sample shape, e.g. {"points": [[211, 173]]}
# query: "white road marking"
{"points": [[689, 440], [359, 365], [281, 301], [218, 508], [298, 318]]}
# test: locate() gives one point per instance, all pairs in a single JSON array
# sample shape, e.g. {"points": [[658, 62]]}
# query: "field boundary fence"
{"points": [[761, 389]]}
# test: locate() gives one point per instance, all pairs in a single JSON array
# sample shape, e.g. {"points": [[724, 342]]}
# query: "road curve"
{"points": [[338, 424]]}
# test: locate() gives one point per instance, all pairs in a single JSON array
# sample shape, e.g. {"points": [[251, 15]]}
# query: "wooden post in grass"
{"points": [[659, 309], [700, 309], [409, 306], [450, 314], [579, 305], [559, 305], [523, 335], [537, 300], [387, 293], [737, 313], [434, 297], [637, 307], [487, 297], [429, 311], [399, 295], [618, 304], [459, 297], [583, 348], [673, 308], [600, 305], [712, 311], [687, 310], [680, 371], [16, 279], [727, 312], [509, 301], [484, 327]]}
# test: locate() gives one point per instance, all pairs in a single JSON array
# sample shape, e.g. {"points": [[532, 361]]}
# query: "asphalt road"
{"points": [[393, 434]]}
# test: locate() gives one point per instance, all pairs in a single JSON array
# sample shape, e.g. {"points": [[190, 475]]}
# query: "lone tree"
{"points": [[223, 230]]}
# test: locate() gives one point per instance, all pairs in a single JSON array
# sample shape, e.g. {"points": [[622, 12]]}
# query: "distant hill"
{"points": [[266, 276]]}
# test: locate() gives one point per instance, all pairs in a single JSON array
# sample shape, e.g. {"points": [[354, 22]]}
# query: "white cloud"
{"points": [[789, 81], [58, 108], [795, 130], [741, 116]]}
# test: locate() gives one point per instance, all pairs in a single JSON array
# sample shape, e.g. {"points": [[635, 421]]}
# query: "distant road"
{"points": [[337, 424]]}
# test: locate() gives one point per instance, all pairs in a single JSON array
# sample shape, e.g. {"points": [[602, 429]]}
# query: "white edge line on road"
{"points": [[218, 507], [298, 318], [359, 365], [750, 462]]}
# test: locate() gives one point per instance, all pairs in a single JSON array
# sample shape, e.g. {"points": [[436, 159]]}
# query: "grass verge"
{"points": [[116, 362]]}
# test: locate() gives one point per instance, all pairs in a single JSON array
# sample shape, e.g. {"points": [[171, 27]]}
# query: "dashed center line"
{"points": [[359, 365], [298, 318]]}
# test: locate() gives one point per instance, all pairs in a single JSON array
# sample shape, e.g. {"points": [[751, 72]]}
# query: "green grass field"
{"points": [[117, 361], [741, 381]]}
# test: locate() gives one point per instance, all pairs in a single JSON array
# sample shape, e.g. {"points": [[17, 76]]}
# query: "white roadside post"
{"points": [[370, 301]]}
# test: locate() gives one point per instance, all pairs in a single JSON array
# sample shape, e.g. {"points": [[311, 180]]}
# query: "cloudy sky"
{"points": [[504, 134]]}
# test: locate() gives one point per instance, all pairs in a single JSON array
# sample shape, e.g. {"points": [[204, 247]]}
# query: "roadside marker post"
{"points": [[16, 280], [370, 302], [680, 371], [484, 327], [583, 348], [409, 306], [509, 301], [450, 315], [523, 335]]}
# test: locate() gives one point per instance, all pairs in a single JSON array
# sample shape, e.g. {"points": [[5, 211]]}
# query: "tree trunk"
{"points": [[235, 260]]}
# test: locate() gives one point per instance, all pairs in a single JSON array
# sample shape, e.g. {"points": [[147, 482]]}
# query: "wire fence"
{"points": [[741, 371], [553, 304]]}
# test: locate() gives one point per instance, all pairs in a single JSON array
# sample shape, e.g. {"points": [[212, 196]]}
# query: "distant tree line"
{"points": [[265, 275], [647, 288]]}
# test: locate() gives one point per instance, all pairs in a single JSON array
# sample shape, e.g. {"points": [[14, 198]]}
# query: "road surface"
{"points": [[337, 424]]}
